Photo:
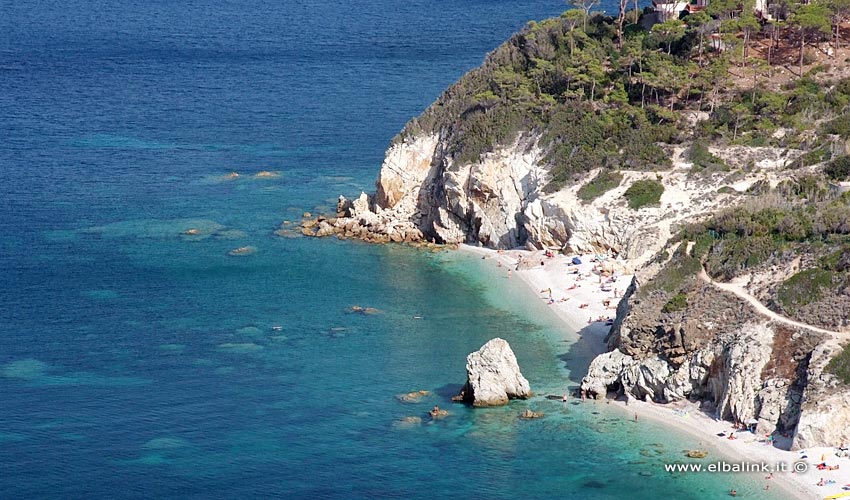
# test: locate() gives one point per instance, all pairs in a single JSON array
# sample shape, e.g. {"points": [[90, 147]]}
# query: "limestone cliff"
{"points": [[422, 193], [722, 354]]}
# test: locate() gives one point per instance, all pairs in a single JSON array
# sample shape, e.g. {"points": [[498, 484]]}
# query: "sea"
{"points": [[140, 359]]}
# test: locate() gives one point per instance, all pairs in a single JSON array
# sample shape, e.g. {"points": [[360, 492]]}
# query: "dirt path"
{"points": [[761, 308]]}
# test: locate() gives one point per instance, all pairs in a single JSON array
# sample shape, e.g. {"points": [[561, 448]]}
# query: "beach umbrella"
{"points": [[752, 421], [576, 261]]}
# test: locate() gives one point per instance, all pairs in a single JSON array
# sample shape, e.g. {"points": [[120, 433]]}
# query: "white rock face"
{"points": [[824, 419], [419, 186], [499, 202], [745, 360], [736, 387], [405, 168], [605, 370], [493, 376]]}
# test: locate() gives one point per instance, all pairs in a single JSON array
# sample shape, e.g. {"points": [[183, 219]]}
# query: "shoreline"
{"points": [[542, 274]]}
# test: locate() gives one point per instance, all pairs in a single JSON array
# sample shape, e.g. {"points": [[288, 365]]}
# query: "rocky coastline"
{"points": [[717, 351]]}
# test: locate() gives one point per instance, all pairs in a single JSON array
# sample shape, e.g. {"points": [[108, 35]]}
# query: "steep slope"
{"points": [[572, 139]]}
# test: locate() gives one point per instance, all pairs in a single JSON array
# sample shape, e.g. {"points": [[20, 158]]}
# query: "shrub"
{"points": [[673, 277], [803, 288], [812, 157], [644, 192], [604, 181], [839, 365], [838, 126], [677, 303], [838, 169]]}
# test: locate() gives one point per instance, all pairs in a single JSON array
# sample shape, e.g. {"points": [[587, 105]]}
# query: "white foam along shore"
{"points": [[583, 302]]}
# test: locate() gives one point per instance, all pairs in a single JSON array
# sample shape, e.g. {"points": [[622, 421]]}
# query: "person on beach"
{"points": [[636, 419]]}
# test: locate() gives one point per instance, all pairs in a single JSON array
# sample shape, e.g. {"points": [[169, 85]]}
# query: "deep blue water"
{"points": [[136, 362]]}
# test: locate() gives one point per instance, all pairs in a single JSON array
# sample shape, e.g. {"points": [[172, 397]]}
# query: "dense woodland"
{"points": [[610, 92]]}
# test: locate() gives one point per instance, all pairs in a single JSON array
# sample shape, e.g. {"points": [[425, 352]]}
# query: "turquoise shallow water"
{"points": [[137, 362]]}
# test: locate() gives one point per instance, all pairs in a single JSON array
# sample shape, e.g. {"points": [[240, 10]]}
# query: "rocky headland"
{"points": [[726, 202]]}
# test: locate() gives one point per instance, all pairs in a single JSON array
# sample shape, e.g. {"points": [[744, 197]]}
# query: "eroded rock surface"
{"points": [[493, 376]]}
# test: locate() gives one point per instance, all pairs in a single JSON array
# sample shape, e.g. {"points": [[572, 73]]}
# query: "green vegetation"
{"points": [[644, 192], [600, 92], [604, 181], [679, 302], [754, 115], [703, 160], [838, 126], [812, 157], [839, 365], [838, 169], [800, 214], [674, 276], [803, 288]]}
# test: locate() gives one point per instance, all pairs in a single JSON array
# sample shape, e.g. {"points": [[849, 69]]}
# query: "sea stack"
{"points": [[493, 376]]}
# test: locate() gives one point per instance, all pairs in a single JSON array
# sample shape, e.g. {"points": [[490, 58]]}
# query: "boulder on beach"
{"points": [[493, 376]]}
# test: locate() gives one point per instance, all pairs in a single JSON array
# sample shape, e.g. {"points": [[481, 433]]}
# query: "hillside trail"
{"points": [[835, 338]]}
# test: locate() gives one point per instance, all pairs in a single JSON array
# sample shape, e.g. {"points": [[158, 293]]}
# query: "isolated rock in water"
{"points": [[236, 252], [413, 397], [408, 422], [529, 414], [493, 376], [363, 310], [438, 412]]}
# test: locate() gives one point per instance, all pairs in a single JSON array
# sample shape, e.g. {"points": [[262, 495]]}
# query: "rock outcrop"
{"points": [[493, 376], [424, 194], [721, 353], [824, 419]]}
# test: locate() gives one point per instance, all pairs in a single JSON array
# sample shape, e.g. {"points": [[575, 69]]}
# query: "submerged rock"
{"points": [[265, 174], [413, 397], [529, 414], [407, 422], [438, 412], [363, 310], [238, 252], [493, 376]]}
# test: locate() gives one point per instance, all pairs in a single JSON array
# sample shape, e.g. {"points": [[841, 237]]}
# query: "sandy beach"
{"points": [[585, 299]]}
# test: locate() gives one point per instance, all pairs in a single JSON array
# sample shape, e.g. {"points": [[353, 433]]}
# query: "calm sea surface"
{"points": [[136, 362]]}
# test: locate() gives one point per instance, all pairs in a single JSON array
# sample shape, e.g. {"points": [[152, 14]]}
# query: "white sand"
{"points": [[585, 288]]}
